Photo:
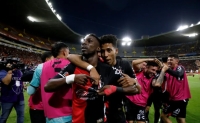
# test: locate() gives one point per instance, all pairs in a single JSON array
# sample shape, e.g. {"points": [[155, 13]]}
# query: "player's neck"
{"points": [[93, 60]]}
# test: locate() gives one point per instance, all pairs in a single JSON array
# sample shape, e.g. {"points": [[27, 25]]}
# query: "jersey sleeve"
{"points": [[179, 72], [35, 82], [128, 69], [67, 70]]}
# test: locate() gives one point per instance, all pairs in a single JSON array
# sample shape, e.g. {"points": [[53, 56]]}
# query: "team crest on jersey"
{"points": [[86, 95], [117, 71]]}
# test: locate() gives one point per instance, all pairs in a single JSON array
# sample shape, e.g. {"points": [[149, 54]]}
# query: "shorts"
{"points": [[116, 116], [65, 119], [176, 108], [135, 112]]}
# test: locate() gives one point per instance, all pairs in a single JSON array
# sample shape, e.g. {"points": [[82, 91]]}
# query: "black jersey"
{"points": [[87, 106]]}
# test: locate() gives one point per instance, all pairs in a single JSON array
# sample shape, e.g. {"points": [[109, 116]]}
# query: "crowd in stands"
{"points": [[28, 58], [189, 65], [24, 37], [185, 48]]}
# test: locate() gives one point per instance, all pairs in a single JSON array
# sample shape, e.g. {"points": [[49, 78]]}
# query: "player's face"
{"points": [[90, 45], [151, 71], [171, 61], [109, 53], [65, 52]]}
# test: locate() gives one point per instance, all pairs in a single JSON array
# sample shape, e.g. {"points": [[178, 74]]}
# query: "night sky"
{"points": [[132, 18]]}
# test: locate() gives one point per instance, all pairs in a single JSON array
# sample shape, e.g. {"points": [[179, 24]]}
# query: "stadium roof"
{"points": [[173, 37], [15, 12]]}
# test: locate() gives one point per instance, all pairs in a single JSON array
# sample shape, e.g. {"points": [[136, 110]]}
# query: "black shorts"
{"points": [[135, 112], [176, 108], [117, 116]]}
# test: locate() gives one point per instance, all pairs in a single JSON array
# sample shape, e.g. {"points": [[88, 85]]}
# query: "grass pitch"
{"points": [[193, 108]]}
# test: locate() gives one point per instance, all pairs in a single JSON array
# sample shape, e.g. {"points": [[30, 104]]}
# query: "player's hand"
{"points": [[160, 64], [126, 81], [107, 90], [82, 79], [94, 74], [165, 67]]}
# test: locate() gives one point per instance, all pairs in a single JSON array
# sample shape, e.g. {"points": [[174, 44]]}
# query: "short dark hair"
{"points": [[174, 55], [95, 37], [56, 47], [109, 39], [152, 63], [164, 59], [45, 55]]}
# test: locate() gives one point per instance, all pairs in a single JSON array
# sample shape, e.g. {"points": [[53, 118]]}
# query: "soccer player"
{"points": [[109, 51], [178, 88], [57, 105], [35, 101], [137, 103], [87, 106]]}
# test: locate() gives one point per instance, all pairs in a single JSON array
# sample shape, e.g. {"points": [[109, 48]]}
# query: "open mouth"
{"points": [[83, 48]]}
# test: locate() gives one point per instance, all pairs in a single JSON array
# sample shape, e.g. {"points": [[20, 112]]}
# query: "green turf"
{"points": [[193, 109]]}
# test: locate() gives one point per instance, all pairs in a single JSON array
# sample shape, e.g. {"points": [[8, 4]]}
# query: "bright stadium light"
{"points": [[32, 19], [58, 16], [82, 39], [53, 10], [126, 41], [182, 27], [191, 34], [50, 4], [191, 25], [198, 23], [123, 43], [129, 43]]}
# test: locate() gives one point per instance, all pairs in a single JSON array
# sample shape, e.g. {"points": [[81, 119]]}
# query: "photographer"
{"points": [[11, 92]]}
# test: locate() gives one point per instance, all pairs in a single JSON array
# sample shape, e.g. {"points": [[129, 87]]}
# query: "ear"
{"points": [[116, 51], [177, 60], [98, 49]]}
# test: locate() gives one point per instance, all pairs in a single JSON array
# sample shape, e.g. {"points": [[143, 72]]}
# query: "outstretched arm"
{"points": [[77, 60], [136, 64], [109, 89]]}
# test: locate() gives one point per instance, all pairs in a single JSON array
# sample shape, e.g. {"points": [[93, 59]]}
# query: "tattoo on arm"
{"points": [[161, 77]]}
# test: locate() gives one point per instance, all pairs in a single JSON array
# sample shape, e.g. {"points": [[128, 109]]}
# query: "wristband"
{"points": [[110, 90], [89, 67], [70, 78], [120, 90]]}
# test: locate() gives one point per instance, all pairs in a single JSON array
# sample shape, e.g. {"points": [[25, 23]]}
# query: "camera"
{"points": [[13, 61]]}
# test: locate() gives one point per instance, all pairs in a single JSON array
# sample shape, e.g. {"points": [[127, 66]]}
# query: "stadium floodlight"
{"points": [[50, 4], [32, 19], [53, 10], [129, 43], [198, 23], [182, 27], [126, 41], [58, 16], [191, 34], [123, 43], [82, 39], [191, 25]]}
